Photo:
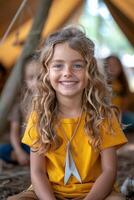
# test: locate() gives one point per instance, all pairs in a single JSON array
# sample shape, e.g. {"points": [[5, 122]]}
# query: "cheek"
{"points": [[113, 71], [29, 85], [53, 79], [85, 79], [86, 83]]}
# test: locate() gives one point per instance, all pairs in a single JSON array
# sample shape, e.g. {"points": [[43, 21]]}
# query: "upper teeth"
{"points": [[67, 83]]}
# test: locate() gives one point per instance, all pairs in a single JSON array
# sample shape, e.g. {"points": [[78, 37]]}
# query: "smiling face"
{"points": [[114, 68], [31, 71], [67, 72]]}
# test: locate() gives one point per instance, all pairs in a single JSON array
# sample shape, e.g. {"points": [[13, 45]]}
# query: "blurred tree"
{"points": [[101, 27]]}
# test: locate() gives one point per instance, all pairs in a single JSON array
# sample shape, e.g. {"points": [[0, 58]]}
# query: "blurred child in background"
{"points": [[117, 78], [15, 152]]}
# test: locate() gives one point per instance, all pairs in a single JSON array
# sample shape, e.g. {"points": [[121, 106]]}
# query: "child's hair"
{"points": [[96, 96]]}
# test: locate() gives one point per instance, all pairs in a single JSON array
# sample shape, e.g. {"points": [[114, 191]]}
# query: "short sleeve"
{"points": [[112, 136], [31, 135]]}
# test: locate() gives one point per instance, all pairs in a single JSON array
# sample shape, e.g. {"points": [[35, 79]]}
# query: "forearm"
{"points": [[42, 186], [15, 141], [15, 136], [102, 187]]}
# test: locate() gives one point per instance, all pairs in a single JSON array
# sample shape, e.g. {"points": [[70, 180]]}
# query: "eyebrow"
{"points": [[59, 60]]}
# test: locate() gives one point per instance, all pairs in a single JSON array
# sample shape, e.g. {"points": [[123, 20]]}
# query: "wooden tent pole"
{"points": [[13, 83]]}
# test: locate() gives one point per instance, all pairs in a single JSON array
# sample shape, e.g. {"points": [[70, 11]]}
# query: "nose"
{"points": [[67, 71]]}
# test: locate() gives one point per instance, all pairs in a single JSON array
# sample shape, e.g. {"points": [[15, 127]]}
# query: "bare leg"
{"points": [[25, 195], [115, 196]]}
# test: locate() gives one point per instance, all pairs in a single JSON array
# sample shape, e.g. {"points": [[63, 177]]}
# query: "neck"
{"points": [[69, 108]]}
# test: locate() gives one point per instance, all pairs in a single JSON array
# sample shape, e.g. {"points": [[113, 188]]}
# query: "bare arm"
{"points": [[103, 185], [15, 136], [40, 182], [20, 155]]}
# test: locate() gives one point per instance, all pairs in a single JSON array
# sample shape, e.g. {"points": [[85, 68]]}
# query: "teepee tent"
{"points": [[123, 13], [60, 12]]}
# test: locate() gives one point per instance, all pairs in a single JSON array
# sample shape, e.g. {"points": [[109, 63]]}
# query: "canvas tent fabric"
{"points": [[123, 13], [60, 12]]}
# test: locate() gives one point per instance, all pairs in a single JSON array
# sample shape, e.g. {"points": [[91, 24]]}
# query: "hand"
{"points": [[22, 157]]}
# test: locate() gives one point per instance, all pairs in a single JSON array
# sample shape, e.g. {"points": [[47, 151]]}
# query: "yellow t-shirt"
{"points": [[87, 160]]}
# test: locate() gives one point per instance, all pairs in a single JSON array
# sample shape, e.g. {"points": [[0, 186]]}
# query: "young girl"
{"points": [[73, 131], [16, 152], [121, 93]]}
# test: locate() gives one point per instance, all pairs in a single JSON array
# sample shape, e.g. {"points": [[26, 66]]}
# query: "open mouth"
{"points": [[68, 83]]}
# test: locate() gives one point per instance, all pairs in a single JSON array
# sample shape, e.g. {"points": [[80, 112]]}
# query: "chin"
{"points": [[68, 94]]}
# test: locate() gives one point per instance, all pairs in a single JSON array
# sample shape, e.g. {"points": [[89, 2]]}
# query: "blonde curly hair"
{"points": [[96, 96]]}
